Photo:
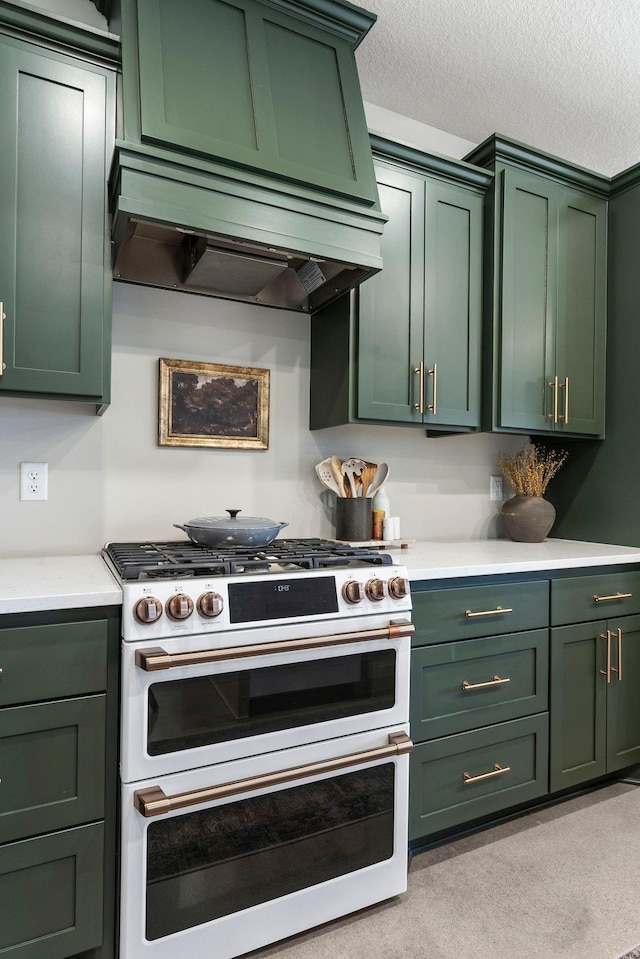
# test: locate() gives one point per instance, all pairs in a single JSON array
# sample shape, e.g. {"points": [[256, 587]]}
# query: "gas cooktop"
{"points": [[183, 559]]}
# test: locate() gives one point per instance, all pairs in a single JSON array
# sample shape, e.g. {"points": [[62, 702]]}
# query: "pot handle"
{"points": [[183, 528]]}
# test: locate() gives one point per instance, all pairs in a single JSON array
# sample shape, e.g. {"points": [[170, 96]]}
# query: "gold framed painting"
{"points": [[211, 404]]}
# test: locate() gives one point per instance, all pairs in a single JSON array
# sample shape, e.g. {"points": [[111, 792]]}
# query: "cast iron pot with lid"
{"points": [[232, 530]]}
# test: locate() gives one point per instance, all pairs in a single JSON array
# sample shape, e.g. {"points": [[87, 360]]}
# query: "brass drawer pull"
{"points": [[157, 658], [565, 386], [497, 770], [155, 802], [607, 672], [554, 386], [433, 406], [487, 612], [496, 681], [419, 406], [3, 317], [607, 599]]}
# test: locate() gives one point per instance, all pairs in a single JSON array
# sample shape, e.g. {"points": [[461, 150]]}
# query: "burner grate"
{"points": [[184, 559]]}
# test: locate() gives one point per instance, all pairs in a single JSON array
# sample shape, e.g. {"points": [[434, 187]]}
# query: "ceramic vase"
{"points": [[528, 519]]}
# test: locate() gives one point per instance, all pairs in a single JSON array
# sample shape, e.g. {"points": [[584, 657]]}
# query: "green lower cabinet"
{"points": [[58, 116], [52, 762], [595, 710], [466, 685], [51, 894], [458, 779]]}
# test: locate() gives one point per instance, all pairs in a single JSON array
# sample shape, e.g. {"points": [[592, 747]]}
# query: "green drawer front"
{"points": [[52, 763], [51, 894], [471, 611], [441, 798], [510, 675], [52, 661], [574, 600]]}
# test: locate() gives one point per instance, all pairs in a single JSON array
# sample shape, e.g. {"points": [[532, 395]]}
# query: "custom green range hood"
{"points": [[243, 167]]}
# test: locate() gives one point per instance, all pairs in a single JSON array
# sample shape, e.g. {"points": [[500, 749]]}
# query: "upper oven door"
{"points": [[195, 703]]}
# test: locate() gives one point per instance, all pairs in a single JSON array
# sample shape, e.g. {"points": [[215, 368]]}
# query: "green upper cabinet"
{"points": [[405, 348], [545, 304], [265, 86], [58, 117]]}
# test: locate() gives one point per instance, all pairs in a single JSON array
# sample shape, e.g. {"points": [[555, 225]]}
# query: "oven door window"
{"points": [[201, 711], [207, 864]]}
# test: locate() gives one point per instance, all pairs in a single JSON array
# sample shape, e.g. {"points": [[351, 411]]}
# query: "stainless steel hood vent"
{"points": [[152, 254], [245, 172]]}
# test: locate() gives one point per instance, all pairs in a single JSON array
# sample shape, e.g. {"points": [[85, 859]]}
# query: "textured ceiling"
{"points": [[562, 76]]}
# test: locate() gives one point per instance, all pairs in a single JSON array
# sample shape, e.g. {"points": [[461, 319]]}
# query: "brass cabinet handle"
{"points": [[496, 681], [554, 385], [419, 406], [488, 612], [607, 672], [157, 658], [497, 770], [433, 406], [565, 386], [619, 669], [154, 801], [607, 599], [3, 317]]}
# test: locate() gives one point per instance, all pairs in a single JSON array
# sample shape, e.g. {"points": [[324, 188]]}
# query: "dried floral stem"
{"points": [[529, 471]]}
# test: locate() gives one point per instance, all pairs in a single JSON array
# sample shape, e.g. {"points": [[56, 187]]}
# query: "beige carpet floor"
{"points": [[560, 883]]}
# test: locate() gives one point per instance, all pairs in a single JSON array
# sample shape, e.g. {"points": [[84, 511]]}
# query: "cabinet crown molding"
{"points": [[498, 148], [27, 22], [427, 162]]}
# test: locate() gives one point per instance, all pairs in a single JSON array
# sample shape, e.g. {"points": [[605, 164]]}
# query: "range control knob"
{"points": [[353, 592], [147, 610], [399, 587], [179, 606], [376, 590], [210, 605]]}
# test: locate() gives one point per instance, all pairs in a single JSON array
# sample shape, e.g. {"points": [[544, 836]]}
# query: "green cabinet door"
{"points": [[528, 294], [578, 704], [623, 702], [453, 306], [53, 284], [250, 84], [405, 348], [581, 332], [391, 307], [595, 711]]}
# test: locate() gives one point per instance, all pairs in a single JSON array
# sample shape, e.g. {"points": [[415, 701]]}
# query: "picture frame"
{"points": [[213, 405]]}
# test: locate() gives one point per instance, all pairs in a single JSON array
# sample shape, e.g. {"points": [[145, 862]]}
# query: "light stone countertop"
{"points": [[455, 558], [56, 582], [72, 582]]}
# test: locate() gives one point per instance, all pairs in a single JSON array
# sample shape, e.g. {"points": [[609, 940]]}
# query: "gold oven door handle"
{"points": [[497, 770], [155, 802], [152, 660]]}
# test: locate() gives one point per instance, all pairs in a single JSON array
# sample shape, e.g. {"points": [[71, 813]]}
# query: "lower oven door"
{"points": [[189, 704], [223, 860]]}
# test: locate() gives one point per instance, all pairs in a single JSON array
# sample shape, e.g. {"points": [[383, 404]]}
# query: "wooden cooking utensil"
{"points": [[366, 478], [336, 469]]}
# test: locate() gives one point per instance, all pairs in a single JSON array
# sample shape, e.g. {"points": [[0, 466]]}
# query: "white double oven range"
{"points": [[264, 741]]}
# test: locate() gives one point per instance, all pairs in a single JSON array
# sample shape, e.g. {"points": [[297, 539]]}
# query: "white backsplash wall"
{"points": [[109, 480]]}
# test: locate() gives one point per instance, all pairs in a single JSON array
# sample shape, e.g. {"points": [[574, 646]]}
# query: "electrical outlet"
{"points": [[495, 489], [33, 480]]}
